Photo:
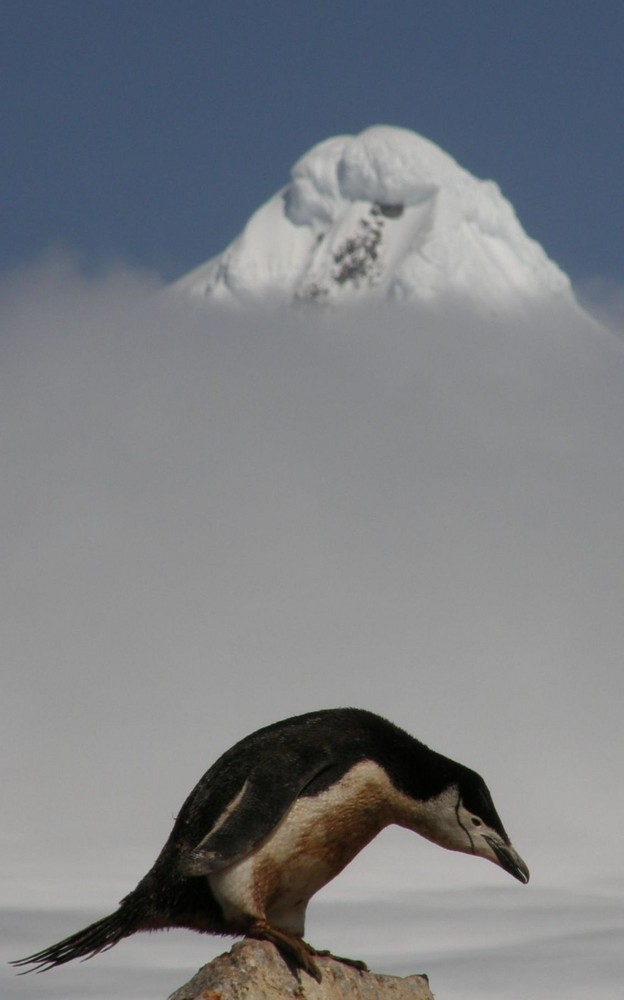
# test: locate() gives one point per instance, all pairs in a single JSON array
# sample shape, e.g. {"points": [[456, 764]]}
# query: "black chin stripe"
{"points": [[465, 829]]}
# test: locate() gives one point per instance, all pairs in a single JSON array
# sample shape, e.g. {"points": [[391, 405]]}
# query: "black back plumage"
{"points": [[324, 745]]}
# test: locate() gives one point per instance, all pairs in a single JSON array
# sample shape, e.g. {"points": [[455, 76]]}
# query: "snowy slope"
{"points": [[385, 215]]}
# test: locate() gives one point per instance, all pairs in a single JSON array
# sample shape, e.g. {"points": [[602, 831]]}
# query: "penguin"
{"points": [[282, 813]]}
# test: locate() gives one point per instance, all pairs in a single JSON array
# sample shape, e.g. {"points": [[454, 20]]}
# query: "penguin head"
{"points": [[482, 829], [463, 818]]}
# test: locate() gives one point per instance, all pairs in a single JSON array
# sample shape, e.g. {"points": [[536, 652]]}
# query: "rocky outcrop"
{"points": [[255, 970]]}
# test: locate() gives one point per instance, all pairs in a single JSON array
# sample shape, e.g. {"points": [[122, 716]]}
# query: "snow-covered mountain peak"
{"points": [[383, 165], [383, 215]]}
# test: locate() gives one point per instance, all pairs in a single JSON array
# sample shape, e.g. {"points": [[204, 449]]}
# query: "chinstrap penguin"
{"points": [[279, 815]]}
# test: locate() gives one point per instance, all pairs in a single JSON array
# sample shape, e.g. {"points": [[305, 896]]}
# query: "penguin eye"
{"points": [[475, 821]]}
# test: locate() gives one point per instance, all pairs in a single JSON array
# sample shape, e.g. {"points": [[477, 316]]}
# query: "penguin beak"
{"points": [[509, 860]]}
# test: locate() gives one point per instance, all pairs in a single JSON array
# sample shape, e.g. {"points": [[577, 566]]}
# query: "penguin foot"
{"points": [[354, 963], [291, 947]]}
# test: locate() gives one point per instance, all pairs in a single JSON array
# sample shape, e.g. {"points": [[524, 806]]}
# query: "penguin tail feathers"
{"points": [[100, 936]]}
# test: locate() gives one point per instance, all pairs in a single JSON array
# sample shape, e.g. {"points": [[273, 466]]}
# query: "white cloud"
{"points": [[211, 522]]}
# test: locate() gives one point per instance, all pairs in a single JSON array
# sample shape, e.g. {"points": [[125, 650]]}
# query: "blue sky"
{"points": [[148, 131]]}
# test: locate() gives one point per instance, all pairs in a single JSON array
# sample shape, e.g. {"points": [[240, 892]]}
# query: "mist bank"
{"points": [[212, 520]]}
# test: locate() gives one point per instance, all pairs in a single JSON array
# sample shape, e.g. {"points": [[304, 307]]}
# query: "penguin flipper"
{"points": [[253, 813]]}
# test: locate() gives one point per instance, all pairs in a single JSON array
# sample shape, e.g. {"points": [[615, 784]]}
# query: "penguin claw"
{"points": [[310, 966], [354, 963], [290, 947]]}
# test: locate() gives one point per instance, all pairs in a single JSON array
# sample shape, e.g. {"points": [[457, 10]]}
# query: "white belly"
{"points": [[317, 837]]}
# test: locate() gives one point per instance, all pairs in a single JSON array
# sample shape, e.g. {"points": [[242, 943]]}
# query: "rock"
{"points": [[255, 970]]}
